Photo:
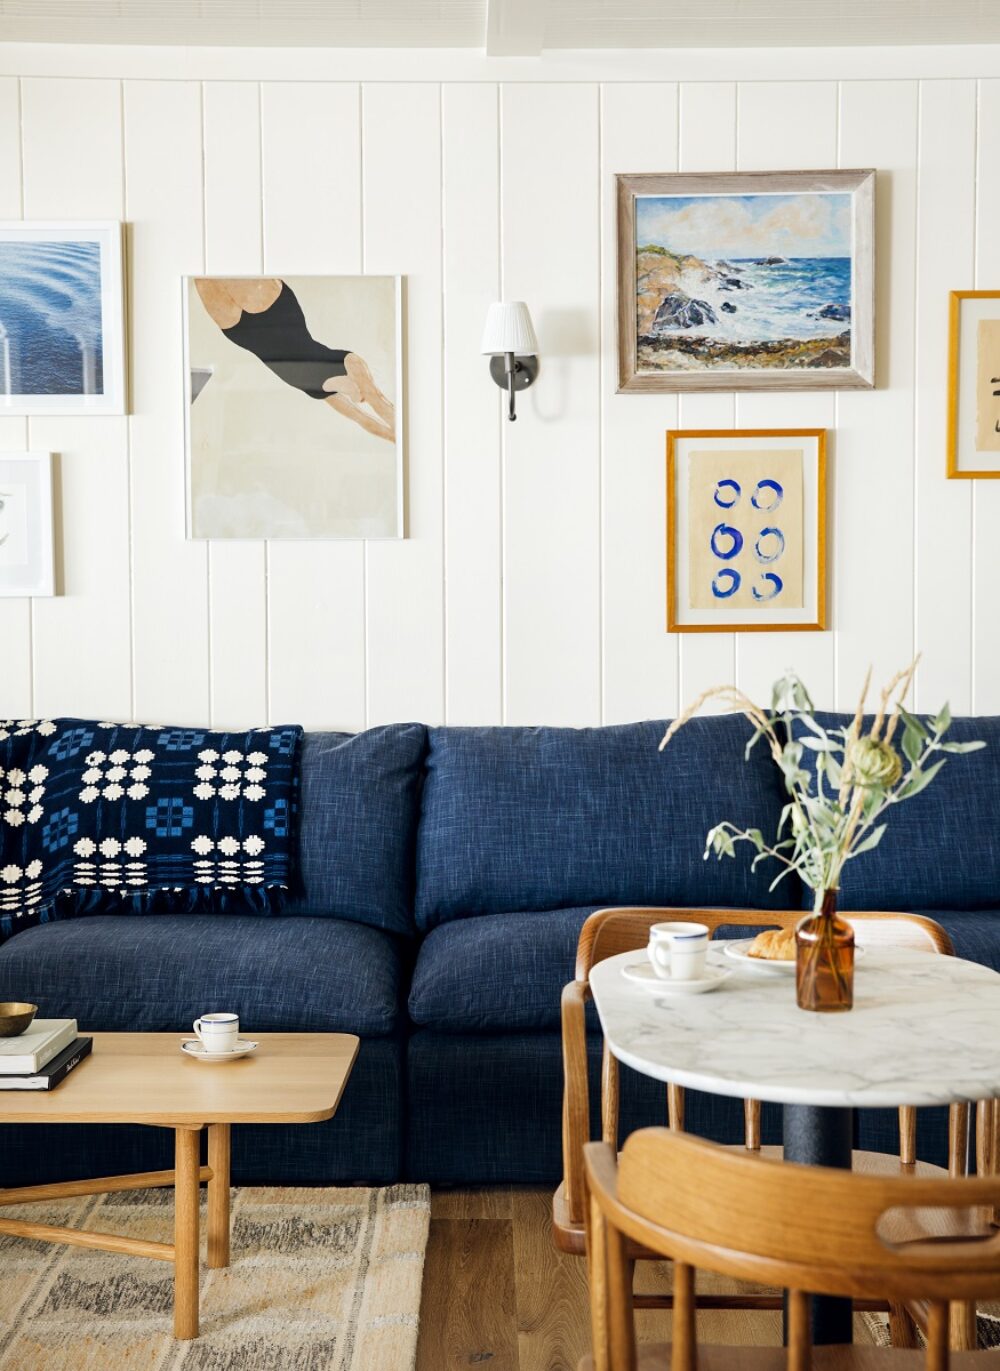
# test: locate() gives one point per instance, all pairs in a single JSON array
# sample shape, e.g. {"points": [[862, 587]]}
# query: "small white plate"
{"points": [[643, 974], [193, 1047], [739, 951]]}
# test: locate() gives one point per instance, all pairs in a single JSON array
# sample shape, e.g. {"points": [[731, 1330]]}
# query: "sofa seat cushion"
{"points": [[556, 818], [975, 933], [496, 975], [158, 973]]}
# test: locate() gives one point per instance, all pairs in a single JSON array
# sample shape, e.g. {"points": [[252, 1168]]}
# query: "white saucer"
{"points": [[643, 974], [193, 1047], [739, 951]]}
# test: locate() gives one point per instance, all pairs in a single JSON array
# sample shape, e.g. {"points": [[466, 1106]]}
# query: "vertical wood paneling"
{"points": [[707, 143], [945, 209], [402, 180], [785, 125], [472, 434], [72, 142], [15, 613], [551, 259], [236, 569], [638, 133], [871, 547], [312, 225], [163, 184]]}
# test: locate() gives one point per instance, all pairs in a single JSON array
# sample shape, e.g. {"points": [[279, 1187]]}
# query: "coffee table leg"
{"points": [[820, 1136], [187, 1169], [218, 1194]]}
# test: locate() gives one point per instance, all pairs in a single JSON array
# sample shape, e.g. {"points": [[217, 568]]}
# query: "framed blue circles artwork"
{"points": [[746, 530]]}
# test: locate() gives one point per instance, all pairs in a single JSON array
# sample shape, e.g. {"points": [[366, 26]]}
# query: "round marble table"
{"points": [[923, 1031]]}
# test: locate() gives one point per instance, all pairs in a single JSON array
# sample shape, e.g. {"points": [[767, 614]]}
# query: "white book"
{"points": [[42, 1040]]}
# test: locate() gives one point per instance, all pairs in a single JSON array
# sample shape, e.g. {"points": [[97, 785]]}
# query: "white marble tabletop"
{"points": [[925, 1029]]}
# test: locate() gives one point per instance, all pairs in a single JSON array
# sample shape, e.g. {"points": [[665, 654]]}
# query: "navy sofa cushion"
{"points": [[550, 818], [359, 805], [116, 973], [974, 932]]}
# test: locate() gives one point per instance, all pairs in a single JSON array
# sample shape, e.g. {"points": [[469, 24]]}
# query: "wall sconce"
{"points": [[509, 341]]}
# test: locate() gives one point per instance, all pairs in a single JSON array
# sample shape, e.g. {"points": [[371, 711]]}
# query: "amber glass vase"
{"points": [[824, 959]]}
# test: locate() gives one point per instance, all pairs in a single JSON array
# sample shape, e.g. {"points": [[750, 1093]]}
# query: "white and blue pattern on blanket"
{"points": [[104, 817]]}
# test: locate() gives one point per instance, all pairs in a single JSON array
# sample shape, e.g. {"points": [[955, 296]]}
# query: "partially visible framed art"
{"points": [[746, 281], [746, 530], [292, 393], [27, 564], [62, 318], [974, 384]]}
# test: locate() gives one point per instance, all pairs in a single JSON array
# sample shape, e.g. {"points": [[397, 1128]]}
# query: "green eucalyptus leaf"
{"points": [[873, 840], [911, 721], [943, 721], [958, 749], [918, 781], [912, 746]]}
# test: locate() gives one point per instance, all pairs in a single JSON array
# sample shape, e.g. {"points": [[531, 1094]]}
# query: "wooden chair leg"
{"points": [[984, 1138], [751, 1125], [937, 1337], [958, 1140], [675, 1107], [907, 1134], [962, 1327], [610, 1088], [902, 1328], [597, 1272], [799, 1340]]}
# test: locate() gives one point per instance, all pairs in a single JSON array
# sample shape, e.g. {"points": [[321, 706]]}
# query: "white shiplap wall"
{"points": [[530, 588]]}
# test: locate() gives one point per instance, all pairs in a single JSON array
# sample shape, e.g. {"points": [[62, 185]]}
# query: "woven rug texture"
{"points": [[320, 1280]]}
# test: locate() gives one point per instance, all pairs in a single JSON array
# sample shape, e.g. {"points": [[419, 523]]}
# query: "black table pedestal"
{"points": [[817, 1135]]}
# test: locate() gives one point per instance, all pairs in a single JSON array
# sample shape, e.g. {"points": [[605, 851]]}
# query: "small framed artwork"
{"points": [[746, 530], [974, 384], [746, 281], [292, 392], [26, 545], [62, 318]]}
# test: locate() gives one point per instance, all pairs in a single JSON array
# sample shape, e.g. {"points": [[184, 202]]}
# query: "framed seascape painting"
{"points": [[26, 542], [62, 319], [974, 384], [746, 530], [746, 281], [292, 397]]}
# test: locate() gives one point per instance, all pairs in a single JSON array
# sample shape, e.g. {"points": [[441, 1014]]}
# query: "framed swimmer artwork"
{"points": [[292, 389], [746, 530], [974, 384], [746, 281], [62, 318]]}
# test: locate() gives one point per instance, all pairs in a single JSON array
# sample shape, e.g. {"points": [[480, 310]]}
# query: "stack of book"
{"points": [[42, 1056]]}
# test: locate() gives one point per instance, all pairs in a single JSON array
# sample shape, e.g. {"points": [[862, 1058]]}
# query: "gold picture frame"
{"points": [[741, 609], [965, 398]]}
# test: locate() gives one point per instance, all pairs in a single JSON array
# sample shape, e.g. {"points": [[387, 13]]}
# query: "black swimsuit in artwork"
{"points": [[279, 337]]}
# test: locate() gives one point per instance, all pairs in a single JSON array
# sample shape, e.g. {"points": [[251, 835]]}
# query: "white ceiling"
{"points": [[503, 26]]}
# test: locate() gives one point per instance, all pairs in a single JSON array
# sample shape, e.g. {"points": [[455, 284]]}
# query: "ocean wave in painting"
{"points": [[50, 319]]}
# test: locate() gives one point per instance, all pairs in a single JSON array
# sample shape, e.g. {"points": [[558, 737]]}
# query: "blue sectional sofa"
{"points": [[445, 875]]}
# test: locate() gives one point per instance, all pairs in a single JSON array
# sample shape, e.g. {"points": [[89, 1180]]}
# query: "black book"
{"points": [[57, 1069]]}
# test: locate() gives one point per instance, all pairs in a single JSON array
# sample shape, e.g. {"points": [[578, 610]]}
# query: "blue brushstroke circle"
{"points": [[732, 577], [777, 494], [735, 544], [768, 557], [730, 488], [775, 588]]}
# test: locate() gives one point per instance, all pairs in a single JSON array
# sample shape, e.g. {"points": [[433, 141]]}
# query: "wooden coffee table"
{"points": [[144, 1078]]}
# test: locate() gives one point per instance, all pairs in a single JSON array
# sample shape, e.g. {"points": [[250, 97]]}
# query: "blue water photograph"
{"points": [[732, 281], [50, 318]]}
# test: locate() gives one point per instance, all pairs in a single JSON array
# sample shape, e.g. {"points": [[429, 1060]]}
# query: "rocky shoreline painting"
{"points": [[745, 281]]}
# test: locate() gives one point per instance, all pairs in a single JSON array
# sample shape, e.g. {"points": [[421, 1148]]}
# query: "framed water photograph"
{"points": [[746, 281], [746, 530], [974, 384], [27, 564], [292, 392], [62, 320]]}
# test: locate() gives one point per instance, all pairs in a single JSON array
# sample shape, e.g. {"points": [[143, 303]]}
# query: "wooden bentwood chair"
{"points": [[611, 931], [809, 1229]]}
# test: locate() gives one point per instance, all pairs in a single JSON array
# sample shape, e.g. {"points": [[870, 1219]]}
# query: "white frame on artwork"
{"points": [[108, 233], [859, 184], [681, 618], [37, 578], [401, 531], [965, 460]]}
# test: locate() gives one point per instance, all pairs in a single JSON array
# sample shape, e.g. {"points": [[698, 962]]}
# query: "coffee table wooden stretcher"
{"points": [[144, 1078]]}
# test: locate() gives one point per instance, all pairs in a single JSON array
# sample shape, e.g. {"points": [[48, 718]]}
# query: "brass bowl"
{"points": [[15, 1018]]}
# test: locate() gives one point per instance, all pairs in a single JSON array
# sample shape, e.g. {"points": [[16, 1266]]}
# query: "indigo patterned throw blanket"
{"points": [[99, 817]]}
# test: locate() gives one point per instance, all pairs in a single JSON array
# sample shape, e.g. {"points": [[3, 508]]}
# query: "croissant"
{"points": [[774, 945]]}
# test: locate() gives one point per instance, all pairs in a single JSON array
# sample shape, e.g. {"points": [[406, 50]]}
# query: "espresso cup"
{"points": [[677, 951], [218, 1032]]}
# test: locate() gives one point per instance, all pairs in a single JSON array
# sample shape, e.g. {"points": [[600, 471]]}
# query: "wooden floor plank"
{"points": [[480, 1203], [467, 1313], [553, 1314]]}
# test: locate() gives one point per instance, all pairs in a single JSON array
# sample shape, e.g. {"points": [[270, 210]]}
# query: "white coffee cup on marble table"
{"points": [[218, 1032], [677, 951]]}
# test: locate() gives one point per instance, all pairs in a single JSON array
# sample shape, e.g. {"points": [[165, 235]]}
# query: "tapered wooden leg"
{"points": [[218, 1194], [186, 1168]]}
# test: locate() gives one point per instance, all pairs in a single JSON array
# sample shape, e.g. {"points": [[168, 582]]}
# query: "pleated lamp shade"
{"points": [[509, 329]]}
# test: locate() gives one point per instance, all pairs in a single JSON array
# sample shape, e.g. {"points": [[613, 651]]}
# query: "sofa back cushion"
{"points": [[551, 818], [359, 802]]}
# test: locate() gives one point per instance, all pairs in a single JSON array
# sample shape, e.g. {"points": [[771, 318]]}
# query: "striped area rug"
{"points": [[321, 1280]]}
